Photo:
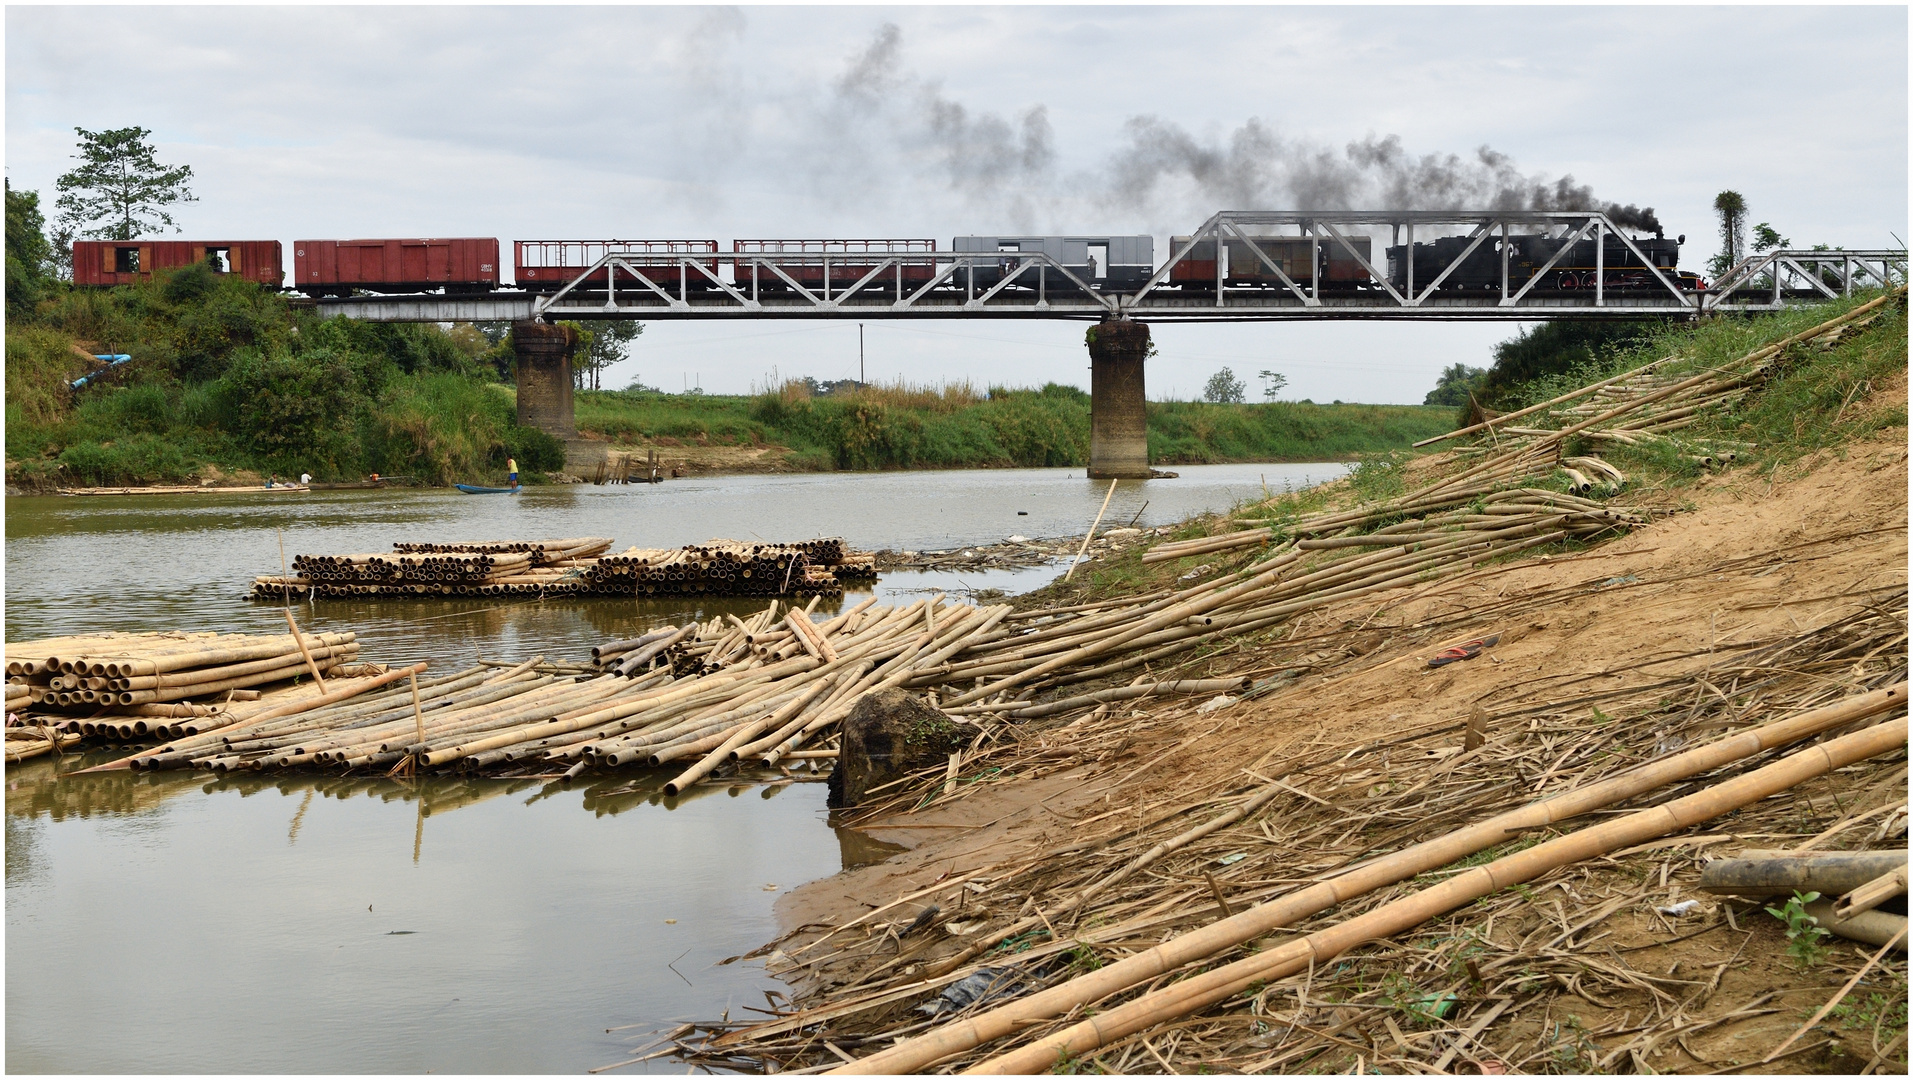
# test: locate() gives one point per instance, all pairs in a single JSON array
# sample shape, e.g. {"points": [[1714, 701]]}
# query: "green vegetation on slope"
{"points": [[226, 374], [1808, 404]]}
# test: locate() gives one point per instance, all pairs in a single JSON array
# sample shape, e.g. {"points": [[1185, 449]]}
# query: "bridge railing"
{"points": [[762, 282], [1765, 282]]}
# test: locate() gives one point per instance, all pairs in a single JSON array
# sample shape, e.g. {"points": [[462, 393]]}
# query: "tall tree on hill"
{"points": [[604, 344], [120, 189], [1731, 208]]}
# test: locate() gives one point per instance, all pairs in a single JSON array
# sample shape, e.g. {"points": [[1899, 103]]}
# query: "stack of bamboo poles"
{"points": [[733, 692], [542, 552], [544, 567], [1648, 405], [484, 568], [1203, 545], [1158, 916], [730, 568], [142, 671]]}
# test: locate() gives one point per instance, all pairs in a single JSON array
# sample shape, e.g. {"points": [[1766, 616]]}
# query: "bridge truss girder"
{"points": [[950, 284], [1764, 282]]}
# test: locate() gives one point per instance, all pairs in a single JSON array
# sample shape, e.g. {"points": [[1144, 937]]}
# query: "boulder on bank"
{"points": [[888, 735]]}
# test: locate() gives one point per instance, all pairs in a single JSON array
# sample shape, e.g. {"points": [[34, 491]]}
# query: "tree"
{"points": [[603, 345], [1767, 238], [1224, 388], [1454, 385], [120, 189], [1272, 383], [30, 263], [1732, 211]]}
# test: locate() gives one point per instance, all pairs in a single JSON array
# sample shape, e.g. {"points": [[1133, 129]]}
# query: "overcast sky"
{"points": [[724, 123]]}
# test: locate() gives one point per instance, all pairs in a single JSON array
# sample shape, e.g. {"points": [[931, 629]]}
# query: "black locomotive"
{"points": [[1618, 267]]}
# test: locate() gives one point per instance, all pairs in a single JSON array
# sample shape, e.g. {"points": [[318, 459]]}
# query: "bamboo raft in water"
{"points": [[116, 671], [577, 566]]}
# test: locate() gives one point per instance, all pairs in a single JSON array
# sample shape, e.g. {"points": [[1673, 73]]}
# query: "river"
{"points": [[173, 923]]}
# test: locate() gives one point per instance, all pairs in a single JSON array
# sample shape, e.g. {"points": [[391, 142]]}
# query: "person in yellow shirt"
{"points": [[511, 466]]}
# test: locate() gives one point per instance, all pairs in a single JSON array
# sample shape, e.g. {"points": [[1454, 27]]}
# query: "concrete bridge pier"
{"points": [[544, 377], [544, 390], [1118, 425]]}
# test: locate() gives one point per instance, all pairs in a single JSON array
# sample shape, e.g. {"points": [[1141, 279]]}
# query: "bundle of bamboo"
{"points": [[579, 566], [1646, 405], [116, 670], [730, 568]]}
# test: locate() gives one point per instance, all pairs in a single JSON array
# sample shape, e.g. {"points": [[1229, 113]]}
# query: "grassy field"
{"points": [[899, 427]]}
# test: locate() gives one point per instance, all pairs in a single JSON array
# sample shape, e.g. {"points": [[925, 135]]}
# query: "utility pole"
{"points": [[860, 354]]}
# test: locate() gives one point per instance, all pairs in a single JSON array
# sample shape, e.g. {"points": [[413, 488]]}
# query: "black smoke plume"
{"points": [[1255, 168]]}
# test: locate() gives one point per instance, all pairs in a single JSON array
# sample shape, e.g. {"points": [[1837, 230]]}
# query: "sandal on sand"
{"points": [[1467, 650]]}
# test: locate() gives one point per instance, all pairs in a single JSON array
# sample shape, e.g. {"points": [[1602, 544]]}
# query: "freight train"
{"points": [[1107, 264]]}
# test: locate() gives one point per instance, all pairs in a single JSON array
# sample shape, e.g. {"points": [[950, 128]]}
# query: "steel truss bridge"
{"points": [[1031, 285]]}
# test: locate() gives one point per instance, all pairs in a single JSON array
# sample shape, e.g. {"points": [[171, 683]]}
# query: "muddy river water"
{"points": [[177, 923]]}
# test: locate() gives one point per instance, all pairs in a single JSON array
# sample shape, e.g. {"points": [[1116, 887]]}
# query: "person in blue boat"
{"points": [[511, 466]]}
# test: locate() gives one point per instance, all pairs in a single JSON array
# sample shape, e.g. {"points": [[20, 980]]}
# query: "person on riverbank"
{"points": [[511, 467], [273, 480], [305, 478]]}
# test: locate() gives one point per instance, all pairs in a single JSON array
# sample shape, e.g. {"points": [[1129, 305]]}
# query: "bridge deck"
{"points": [[505, 306]]}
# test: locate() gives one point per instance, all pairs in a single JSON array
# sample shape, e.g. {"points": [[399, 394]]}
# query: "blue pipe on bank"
{"points": [[113, 360]]}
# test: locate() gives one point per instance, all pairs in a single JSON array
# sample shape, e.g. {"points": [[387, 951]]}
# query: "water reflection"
{"points": [[348, 924]]}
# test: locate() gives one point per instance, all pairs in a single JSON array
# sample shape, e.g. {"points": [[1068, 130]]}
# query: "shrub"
{"points": [[39, 366], [535, 450], [296, 413]]}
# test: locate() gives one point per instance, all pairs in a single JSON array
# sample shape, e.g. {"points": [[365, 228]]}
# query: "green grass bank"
{"points": [[957, 427]]}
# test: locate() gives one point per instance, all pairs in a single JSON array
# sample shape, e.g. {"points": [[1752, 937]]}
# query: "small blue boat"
{"points": [[471, 489]]}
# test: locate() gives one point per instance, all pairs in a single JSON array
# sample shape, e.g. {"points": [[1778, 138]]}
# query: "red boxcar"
{"points": [[458, 265], [550, 265], [834, 265], [122, 262]]}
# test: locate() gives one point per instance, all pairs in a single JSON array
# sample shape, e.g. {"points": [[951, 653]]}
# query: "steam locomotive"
{"points": [[1303, 260], [1107, 264]]}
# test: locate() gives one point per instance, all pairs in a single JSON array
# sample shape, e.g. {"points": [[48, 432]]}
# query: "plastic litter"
{"points": [[987, 984], [1677, 910]]}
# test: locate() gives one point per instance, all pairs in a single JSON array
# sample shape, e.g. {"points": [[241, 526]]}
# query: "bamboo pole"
{"points": [[1091, 534], [1206, 544], [914, 1055], [1173, 615], [1292, 957], [1530, 410]]}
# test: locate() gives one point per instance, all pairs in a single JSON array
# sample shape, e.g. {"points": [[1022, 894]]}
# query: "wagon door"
{"points": [[438, 262], [411, 262]]}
